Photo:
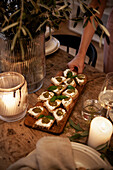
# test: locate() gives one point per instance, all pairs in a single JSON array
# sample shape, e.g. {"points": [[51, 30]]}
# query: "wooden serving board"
{"points": [[56, 128]]}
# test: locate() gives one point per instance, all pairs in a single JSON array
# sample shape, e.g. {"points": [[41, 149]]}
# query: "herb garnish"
{"points": [[58, 97], [70, 87], [51, 88], [70, 75]]}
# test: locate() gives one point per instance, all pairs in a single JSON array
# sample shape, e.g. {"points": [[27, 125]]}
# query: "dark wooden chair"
{"points": [[72, 41]]}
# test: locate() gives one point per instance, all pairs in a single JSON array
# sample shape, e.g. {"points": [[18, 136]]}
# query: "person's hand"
{"points": [[78, 62]]}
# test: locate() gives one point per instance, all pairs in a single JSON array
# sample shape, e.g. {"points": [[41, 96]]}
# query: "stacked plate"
{"points": [[88, 158], [51, 46]]}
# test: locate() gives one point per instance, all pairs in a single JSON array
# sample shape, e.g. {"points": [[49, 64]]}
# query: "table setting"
{"points": [[75, 146], [51, 43]]}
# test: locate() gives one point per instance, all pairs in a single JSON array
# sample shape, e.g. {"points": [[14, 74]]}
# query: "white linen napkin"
{"points": [[51, 153]]}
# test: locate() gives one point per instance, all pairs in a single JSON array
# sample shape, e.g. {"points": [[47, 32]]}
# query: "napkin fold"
{"points": [[51, 153]]}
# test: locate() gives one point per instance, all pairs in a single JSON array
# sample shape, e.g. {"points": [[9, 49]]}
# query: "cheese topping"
{"points": [[67, 101], [46, 95], [58, 80], [60, 88], [80, 78], [70, 81], [51, 106], [70, 92], [39, 122], [59, 113]]}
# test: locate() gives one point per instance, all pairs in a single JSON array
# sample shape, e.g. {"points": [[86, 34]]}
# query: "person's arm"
{"points": [[86, 38]]}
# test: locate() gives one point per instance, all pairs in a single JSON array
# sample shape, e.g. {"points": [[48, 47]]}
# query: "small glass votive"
{"points": [[90, 109], [13, 96]]}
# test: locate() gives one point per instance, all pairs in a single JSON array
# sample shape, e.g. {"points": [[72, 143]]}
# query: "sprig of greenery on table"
{"points": [[106, 151], [80, 133]]}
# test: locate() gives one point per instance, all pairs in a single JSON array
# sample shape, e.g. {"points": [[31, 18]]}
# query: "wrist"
{"points": [[81, 54]]}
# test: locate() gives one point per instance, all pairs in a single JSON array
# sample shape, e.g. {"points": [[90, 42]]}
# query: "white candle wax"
{"points": [[100, 132]]}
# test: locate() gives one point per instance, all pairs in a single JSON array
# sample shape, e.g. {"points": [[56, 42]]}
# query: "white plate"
{"points": [[87, 157], [51, 46]]}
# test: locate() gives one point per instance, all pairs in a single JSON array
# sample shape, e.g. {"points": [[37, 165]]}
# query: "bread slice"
{"points": [[44, 123], [60, 89], [70, 81], [81, 79], [45, 96], [52, 105], [59, 114], [69, 72], [58, 80], [67, 102], [36, 111], [71, 93]]}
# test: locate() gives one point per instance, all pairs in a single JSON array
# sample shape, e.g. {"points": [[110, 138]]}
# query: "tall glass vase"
{"points": [[30, 62]]}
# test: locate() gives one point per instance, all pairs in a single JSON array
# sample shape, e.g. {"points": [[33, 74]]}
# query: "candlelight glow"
{"points": [[9, 100], [13, 96]]}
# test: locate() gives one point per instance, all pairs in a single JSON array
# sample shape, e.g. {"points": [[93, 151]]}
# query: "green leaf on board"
{"points": [[61, 97], [69, 74], [58, 97], [70, 87], [40, 116], [50, 117], [53, 98], [52, 88]]}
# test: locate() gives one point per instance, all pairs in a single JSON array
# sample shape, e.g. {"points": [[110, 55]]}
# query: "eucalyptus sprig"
{"points": [[80, 133], [89, 14]]}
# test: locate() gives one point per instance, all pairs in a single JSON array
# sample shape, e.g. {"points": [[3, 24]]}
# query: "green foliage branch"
{"points": [[27, 18], [86, 12]]}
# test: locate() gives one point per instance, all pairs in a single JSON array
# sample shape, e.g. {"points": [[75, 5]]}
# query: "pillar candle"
{"points": [[100, 131]]}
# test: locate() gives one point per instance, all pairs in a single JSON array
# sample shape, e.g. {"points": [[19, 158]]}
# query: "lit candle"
{"points": [[100, 132], [13, 96]]}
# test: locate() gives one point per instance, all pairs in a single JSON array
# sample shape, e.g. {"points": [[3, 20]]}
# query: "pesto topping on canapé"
{"points": [[81, 76], [59, 79], [45, 120], [70, 90], [70, 80], [46, 94], [59, 113], [37, 110], [53, 103], [60, 87], [66, 99]]}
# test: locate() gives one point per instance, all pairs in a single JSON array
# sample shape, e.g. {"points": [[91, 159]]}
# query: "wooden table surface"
{"points": [[17, 140]]}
